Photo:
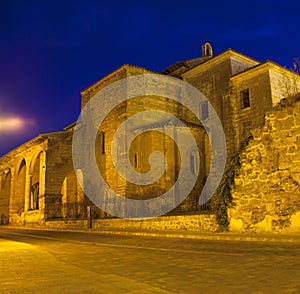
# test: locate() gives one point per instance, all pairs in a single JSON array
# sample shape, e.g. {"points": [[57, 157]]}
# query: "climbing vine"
{"points": [[223, 198]]}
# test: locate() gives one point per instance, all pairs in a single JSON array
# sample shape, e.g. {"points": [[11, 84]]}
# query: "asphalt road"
{"points": [[34, 261]]}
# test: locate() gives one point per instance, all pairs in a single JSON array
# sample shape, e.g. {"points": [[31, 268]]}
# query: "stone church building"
{"points": [[37, 179]]}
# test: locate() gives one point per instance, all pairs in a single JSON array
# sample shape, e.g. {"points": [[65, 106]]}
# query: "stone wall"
{"points": [[283, 83], [266, 195], [242, 119], [202, 222], [154, 134], [66, 224]]}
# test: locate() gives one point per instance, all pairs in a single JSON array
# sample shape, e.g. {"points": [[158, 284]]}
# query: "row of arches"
{"points": [[4, 197], [20, 186]]}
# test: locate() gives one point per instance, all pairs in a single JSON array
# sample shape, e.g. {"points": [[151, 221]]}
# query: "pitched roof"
{"points": [[109, 75], [185, 64]]}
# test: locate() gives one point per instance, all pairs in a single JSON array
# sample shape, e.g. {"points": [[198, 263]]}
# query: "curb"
{"points": [[205, 236], [264, 238]]}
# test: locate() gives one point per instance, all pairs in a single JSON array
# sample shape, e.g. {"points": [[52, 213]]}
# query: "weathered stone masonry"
{"points": [[266, 195], [43, 162]]}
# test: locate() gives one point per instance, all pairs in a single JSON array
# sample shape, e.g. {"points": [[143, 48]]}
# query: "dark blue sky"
{"points": [[50, 50]]}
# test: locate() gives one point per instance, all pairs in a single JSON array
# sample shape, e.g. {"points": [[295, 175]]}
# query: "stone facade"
{"points": [[34, 183], [38, 181], [200, 223], [146, 143], [266, 194]]}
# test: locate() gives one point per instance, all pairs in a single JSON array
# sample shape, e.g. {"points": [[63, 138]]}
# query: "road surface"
{"points": [[36, 261]]}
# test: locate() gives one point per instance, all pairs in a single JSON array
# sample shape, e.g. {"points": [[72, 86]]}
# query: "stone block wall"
{"points": [[202, 223], [266, 195], [199, 223], [260, 100]]}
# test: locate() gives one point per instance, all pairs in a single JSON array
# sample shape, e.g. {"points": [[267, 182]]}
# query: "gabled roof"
{"points": [[186, 64], [268, 64], [114, 72], [223, 55]]}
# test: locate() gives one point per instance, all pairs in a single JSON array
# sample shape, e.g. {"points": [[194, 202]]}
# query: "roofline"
{"points": [[69, 126], [107, 77], [283, 68], [268, 64], [180, 62], [21, 147], [36, 139], [229, 52], [249, 70]]}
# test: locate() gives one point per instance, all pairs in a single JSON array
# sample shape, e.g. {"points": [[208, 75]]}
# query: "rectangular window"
{"points": [[245, 99], [204, 110]]}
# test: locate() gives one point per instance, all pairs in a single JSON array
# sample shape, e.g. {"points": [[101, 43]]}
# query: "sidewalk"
{"points": [[226, 236]]}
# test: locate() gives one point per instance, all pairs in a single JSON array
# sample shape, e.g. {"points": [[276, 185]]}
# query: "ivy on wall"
{"points": [[223, 198]]}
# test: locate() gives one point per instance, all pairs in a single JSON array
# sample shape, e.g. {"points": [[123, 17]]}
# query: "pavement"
{"points": [[222, 236], [88, 261]]}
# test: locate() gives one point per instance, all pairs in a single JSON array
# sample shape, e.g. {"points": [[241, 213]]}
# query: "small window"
{"points": [[194, 163], [102, 143], [192, 158], [135, 159], [204, 110], [245, 99]]}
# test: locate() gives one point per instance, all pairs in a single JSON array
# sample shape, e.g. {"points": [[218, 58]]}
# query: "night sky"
{"points": [[50, 50]]}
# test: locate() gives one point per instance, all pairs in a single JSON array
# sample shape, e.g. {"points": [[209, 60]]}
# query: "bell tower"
{"points": [[207, 50]]}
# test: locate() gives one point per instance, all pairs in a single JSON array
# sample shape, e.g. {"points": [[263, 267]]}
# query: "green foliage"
{"points": [[223, 197]]}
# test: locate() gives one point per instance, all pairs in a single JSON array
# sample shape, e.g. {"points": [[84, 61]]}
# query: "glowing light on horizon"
{"points": [[13, 124]]}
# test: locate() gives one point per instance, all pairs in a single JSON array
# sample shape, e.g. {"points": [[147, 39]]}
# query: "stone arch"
{"points": [[34, 171], [35, 156], [18, 163], [73, 200], [5, 190], [18, 199], [207, 50]]}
